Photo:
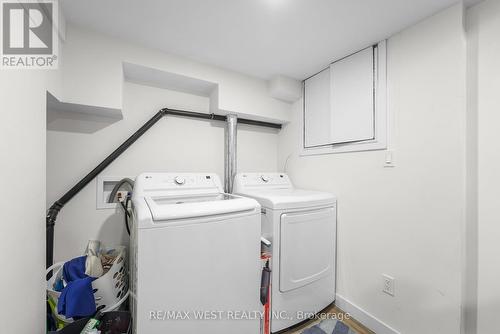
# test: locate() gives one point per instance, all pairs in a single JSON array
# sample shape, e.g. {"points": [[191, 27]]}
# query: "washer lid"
{"points": [[170, 207], [289, 198]]}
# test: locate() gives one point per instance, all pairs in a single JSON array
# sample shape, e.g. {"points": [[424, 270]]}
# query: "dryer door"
{"points": [[307, 251]]}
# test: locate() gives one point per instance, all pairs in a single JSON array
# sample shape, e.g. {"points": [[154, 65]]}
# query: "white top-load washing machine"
{"points": [[301, 225], [195, 256]]}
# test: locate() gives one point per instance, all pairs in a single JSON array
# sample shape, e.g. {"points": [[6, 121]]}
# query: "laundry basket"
{"points": [[110, 290]]}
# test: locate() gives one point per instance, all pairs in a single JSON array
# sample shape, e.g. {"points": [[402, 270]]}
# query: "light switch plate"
{"points": [[389, 159]]}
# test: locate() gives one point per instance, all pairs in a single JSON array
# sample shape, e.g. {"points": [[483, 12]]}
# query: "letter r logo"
{"points": [[27, 28]]}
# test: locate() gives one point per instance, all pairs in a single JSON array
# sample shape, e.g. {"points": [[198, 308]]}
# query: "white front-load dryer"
{"points": [[195, 256], [301, 225]]}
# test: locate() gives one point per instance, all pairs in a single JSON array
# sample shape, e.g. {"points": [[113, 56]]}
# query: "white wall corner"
{"points": [[214, 100], [60, 25], [362, 316], [470, 3], [284, 88]]}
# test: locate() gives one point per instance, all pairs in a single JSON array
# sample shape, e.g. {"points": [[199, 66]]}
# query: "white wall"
{"points": [[174, 144], [92, 74], [22, 227], [470, 249], [405, 221], [22, 203], [484, 76]]}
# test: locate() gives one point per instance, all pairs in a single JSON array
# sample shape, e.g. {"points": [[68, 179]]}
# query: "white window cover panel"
{"points": [[352, 98], [317, 110]]}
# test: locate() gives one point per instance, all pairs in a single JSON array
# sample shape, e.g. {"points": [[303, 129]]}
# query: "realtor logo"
{"points": [[29, 37]]}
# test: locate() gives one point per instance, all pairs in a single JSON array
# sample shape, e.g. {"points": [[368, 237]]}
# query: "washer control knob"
{"points": [[264, 178], [180, 180]]}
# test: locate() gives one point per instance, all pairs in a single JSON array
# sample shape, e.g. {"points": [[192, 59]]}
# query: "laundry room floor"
{"points": [[351, 322]]}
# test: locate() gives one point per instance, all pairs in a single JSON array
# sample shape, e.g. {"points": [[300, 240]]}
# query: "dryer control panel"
{"points": [[262, 180]]}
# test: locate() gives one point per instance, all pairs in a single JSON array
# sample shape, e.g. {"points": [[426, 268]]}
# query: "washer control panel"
{"points": [[158, 184]]}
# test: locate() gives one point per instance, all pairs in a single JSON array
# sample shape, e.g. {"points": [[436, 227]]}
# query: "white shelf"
{"points": [[148, 76], [153, 77], [72, 117]]}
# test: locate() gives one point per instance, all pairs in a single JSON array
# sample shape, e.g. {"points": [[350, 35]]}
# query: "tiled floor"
{"points": [[359, 328]]}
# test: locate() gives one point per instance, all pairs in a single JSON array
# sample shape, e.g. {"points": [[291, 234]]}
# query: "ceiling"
{"points": [[262, 38]]}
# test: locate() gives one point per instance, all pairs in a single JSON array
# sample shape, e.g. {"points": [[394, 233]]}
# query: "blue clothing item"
{"points": [[74, 269], [77, 298]]}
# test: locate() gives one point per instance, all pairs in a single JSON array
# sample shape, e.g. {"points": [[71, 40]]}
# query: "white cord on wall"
{"points": [[285, 165]]}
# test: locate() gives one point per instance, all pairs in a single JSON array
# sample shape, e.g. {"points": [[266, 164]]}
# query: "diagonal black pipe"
{"points": [[59, 204]]}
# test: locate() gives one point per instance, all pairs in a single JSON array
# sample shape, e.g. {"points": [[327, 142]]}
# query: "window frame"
{"points": [[379, 142]]}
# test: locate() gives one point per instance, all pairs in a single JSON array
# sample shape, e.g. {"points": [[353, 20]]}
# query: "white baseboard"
{"points": [[364, 317]]}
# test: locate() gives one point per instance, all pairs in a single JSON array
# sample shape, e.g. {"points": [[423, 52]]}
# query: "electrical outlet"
{"points": [[388, 282]]}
